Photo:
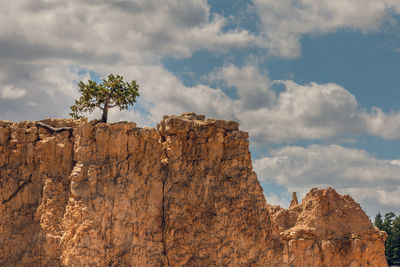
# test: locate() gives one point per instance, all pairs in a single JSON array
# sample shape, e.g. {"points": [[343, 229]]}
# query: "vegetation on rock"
{"points": [[113, 92]]}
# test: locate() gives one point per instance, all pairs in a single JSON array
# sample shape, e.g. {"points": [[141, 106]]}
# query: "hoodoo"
{"points": [[183, 194]]}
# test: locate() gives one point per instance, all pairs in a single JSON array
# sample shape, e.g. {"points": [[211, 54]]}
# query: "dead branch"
{"points": [[52, 129]]}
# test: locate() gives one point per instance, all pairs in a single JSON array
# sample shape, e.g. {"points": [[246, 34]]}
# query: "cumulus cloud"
{"points": [[382, 124], [42, 47], [311, 111], [169, 96], [253, 87], [350, 171], [45, 91], [42, 43], [10, 92], [274, 199], [284, 22], [108, 31]]}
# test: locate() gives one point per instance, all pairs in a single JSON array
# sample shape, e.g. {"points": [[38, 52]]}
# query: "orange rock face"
{"points": [[326, 229], [183, 194]]}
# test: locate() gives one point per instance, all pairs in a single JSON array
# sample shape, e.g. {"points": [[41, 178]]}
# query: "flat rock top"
{"points": [[186, 121], [53, 122], [181, 122]]}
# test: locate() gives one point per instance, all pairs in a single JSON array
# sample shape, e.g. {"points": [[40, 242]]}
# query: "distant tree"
{"points": [[113, 92], [391, 225], [387, 222], [378, 221], [387, 226], [396, 240]]}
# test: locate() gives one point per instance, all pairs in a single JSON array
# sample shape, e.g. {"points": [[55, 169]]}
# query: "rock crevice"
{"points": [[20, 187]]}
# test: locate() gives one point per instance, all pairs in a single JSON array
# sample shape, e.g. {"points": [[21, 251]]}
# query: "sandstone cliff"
{"points": [[183, 194]]}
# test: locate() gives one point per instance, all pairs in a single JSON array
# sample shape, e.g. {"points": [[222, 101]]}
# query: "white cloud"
{"points": [[274, 199], [394, 4], [48, 91], [41, 45], [167, 95], [351, 171], [60, 81], [384, 125], [284, 22], [117, 30], [42, 42], [311, 111], [253, 87], [11, 92]]}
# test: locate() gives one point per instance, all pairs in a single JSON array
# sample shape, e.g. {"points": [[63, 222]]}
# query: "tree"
{"points": [[387, 226], [378, 221], [396, 240], [391, 225], [113, 92]]}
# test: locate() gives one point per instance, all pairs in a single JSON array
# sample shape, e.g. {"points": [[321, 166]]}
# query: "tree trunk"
{"points": [[105, 113]]}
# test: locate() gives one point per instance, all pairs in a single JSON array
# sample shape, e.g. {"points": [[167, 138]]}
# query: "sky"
{"points": [[316, 83]]}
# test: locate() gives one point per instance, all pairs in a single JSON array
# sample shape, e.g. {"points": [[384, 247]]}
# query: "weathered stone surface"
{"points": [[183, 194], [326, 229], [215, 211], [34, 170], [113, 216]]}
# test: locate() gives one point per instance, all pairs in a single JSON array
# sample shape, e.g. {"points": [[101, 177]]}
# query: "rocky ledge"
{"points": [[80, 193]]}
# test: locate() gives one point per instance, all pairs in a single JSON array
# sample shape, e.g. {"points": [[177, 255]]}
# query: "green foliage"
{"points": [[378, 221], [391, 225], [396, 240], [113, 92]]}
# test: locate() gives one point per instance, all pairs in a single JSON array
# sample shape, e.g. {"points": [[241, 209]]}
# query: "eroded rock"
{"points": [[327, 229], [183, 194]]}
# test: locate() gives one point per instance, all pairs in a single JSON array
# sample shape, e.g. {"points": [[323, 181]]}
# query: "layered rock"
{"points": [[183, 194]]}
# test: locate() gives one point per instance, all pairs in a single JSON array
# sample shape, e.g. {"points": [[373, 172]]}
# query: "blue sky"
{"points": [[315, 82]]}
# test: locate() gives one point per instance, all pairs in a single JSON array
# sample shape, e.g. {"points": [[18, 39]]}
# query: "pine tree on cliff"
{"points": [[113, 92]]}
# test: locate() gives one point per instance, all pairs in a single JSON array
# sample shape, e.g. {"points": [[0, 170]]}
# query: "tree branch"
{"points": [[52, 129]]}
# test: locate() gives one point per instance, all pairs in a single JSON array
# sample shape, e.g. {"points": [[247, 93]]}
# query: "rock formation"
{"points": [[184, 194], [326, 229], [294, 201]]}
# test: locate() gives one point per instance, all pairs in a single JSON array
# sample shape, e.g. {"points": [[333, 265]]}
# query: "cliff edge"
{"points": [[183, 194]]}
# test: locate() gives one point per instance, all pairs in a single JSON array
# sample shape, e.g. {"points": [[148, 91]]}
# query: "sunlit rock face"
{"points": [[183, 194], [326, 229]]}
